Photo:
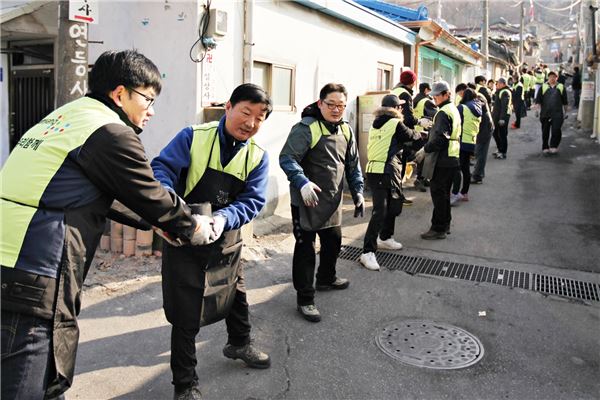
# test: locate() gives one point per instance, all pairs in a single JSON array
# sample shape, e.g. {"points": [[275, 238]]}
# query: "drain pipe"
{"points": [[436, 36], [248, 41]]}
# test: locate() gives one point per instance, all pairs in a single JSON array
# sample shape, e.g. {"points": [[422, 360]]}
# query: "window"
{"points": [[426, 74], [384, 76], [279, 81]]}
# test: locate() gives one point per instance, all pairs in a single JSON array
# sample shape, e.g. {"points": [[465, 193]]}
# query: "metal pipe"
{"points": [[248, 41]]}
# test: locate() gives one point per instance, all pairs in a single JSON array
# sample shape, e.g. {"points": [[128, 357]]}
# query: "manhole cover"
{"points": [[430, 344]]}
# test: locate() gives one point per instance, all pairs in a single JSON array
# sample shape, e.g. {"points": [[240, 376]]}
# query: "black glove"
{"points": [[359, 206]]}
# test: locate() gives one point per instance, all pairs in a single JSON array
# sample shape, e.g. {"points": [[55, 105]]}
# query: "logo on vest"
{"points": [[56, 125]]}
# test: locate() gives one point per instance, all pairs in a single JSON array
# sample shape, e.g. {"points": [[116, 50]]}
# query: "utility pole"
{"points": [[71, 54], [521, 45], [484, 35], [588, 76]]}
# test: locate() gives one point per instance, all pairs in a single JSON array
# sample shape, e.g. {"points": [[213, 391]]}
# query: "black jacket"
{"points": [[439, 139], [552, 101], [501, 110]]}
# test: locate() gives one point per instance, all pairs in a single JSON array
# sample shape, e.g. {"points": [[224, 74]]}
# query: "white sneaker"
{"points": [[455, 198], [369, 261], [388, 244]]}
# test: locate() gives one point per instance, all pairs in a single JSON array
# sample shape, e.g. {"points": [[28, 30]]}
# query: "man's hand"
{"points": [[425, 123], [218, 226], [309, 194], [359, 206], [501, 122], [203, 231], [420, 155]]}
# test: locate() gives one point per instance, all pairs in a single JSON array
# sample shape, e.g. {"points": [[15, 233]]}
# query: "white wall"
{"points": [[4, 143], [164, 32]]}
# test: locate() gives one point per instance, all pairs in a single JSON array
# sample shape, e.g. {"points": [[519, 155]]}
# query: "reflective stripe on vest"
{"points": [[240, 166], [470, 127], [454, 144], [400, 90], [33, 163], [317, 130], [378, 146], [509, 107], [419, 112], [522, 89], [559, 86]]}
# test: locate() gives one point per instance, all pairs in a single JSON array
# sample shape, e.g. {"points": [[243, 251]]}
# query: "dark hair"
{"points": [[468, 95], [479, 78], [491, 80], [252, 93], [460, 87], [331, 88], [576, 69], [128, 68], [471, 85], [424, 86]]}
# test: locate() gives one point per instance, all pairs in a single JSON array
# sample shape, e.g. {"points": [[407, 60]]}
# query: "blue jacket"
{"points": [[171, 165]]}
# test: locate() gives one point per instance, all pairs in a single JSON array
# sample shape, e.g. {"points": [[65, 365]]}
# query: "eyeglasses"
{"points": [[332, 106], [150, 100]]}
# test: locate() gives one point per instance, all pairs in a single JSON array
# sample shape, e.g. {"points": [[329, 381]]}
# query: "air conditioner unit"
{"points": [[217, 27]]}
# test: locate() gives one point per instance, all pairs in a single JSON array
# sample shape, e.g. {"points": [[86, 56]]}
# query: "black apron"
{"points": [[199, 282]]}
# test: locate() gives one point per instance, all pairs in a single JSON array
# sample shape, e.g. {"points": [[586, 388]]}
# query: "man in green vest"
{"points": [[319, 151], [424, 107], [57, 187], [518, 96], [501, 115], [386, 136], [219, 167], [441, 155], [552, 101]]}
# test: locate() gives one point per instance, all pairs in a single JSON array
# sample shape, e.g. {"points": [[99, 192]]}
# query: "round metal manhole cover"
{"points": [[430, 344]]}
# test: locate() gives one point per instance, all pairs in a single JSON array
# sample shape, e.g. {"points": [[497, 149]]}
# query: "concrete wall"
{"points": [[4, 109]]}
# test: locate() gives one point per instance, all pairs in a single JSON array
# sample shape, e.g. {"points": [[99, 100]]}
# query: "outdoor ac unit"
{"points": [[217, 27]]}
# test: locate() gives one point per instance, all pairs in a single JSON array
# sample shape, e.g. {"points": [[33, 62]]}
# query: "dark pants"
{"points": [[27, 361], [554, 125], [518, 119], [465, 173], [183, 340], [303, 262], [387, 205], [501, 137], [481, 152], [440, 195], [576, 94]]}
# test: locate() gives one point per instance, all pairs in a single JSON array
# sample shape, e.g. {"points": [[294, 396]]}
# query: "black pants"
{"points": [[554, 125], [576, 95], [387, 205], [501, 136], [439, 187], [303, 262], [464, 173], [518, 119], [183, 340]]}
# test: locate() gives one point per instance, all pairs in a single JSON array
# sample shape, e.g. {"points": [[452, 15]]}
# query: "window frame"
{"points": [[269, 89], [385, 67]]}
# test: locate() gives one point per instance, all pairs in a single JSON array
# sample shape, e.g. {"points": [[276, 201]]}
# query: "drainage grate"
{"points": [[429, 344], [478, 273]]}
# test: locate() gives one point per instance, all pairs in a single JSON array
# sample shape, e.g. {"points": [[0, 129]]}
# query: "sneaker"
{"points": [[388, 244], [249, 354], [432, 235], [420, 185], [407, 202], [310, 313], [553, 150], [545, 152], [496, 154], [501, 156], [338, 284], [190, 393], [465, 197], [369, 261], [476, 180], [514, 126], [455, 198]]}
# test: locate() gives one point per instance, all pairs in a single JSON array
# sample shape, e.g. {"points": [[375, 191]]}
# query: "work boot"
{"points": [[189, 393], [338, 284], [433, 235], [310, 313], [249, 354]]}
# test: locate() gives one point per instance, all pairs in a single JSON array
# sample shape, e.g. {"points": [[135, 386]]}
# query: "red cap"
{"points": [[407, 77]]}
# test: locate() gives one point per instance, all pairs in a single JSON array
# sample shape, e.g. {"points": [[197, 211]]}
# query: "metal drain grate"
{"points": [[478, 273], [429, 344]]}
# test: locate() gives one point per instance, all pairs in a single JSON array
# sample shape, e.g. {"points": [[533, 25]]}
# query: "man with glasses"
{"points": [[319, 151], [57, 188]]}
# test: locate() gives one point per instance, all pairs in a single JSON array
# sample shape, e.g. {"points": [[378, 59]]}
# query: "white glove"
{"points": [[218, 226], [309, 194], [420, 155], [203, 231], [501, 122], [425, 123]]}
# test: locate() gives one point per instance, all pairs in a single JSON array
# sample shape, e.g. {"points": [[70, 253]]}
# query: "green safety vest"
{"points": [[522, 89], [540, 77], [559, 86], [457, 100], [378, 146], [419, 112], [527, 82], [509, 109], [206, 136], [317, 130], [41, 152], [454, 145], [400, 90], [470, 125]]}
